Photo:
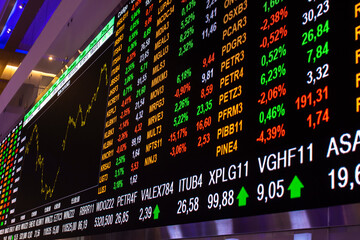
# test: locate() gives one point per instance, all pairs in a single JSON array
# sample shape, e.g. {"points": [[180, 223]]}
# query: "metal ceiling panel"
{"points": [[38, 24]]}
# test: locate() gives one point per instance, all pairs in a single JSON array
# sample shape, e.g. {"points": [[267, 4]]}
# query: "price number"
{"points": [[104, 221], [271, 191], [206, 76], [342, 178], [308, 99], [187, 206], [207, 91], [320, 73], [122, 217], [209, 60], [133, 179], [210, 16], [134, 166], [145, 213], [203, 140], [319, 52], [82, 224], [310, 36], [320, 117], [207, 32], [204, 107], [210, 3], [313, 14], [218, 201], [203, 123]]}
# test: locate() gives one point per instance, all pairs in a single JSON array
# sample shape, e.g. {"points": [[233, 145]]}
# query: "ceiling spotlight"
{"points": [[9, 30], [21, 6], [50, 58]]}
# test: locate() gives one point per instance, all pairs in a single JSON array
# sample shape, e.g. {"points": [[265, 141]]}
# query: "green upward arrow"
{"points": [[156, 212], [242, 196], [295, 188]]}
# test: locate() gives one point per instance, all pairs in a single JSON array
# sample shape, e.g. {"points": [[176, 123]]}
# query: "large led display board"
{"points": [[186, 111]]}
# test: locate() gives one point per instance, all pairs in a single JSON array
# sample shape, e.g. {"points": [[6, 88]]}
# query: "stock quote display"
{"points": [[186, 111]]}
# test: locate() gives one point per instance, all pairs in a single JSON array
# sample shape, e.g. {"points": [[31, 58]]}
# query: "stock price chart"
{"points": [[187, 111]]}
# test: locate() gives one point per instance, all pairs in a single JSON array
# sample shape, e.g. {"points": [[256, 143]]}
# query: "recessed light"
{"points": [[50, 58], [22, 5]]}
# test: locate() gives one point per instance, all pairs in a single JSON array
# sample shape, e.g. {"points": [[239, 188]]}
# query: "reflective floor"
{"points": [[337, 233], [334, 223]]}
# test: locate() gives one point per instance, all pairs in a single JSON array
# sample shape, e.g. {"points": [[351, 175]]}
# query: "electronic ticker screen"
{"points": [[183, 111]]}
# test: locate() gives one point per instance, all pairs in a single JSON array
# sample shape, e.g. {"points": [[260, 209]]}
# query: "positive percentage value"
{"points": [[190, 18], [186, 34], [184, 117], [343, 178], [274, 37], [182, 90], [273, 93], [186, 47], [272, 113], [318, 118], [190, 5], [119, 172], [203, 123], [187, 206], [178, 149], [118, 184], [273, 55], [319, 52], [272, 134], [274, 18], [309, 100], [273, 74], [270, 4], [175, 136], [183, 103], [183, 76]]}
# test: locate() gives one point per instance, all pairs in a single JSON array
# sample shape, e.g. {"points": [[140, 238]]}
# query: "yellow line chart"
{"points": [[48, 189]]}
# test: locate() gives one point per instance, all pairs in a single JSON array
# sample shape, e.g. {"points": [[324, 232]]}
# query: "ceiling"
{"points": [[44, 28]]}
